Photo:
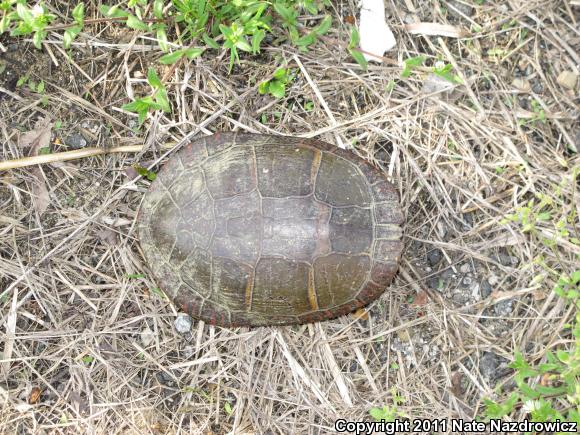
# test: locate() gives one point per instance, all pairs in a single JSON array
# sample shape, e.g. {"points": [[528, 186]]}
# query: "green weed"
{"points": [[549, 390], [276, 86], [156, 101]]}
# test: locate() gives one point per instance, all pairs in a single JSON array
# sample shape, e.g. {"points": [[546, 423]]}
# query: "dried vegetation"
{"points": [[88, 342]]}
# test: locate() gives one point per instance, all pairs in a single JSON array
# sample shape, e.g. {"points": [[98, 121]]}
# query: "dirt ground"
{"points": [[88, 344]]}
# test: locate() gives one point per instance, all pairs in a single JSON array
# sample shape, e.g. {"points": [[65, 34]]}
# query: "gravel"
{"points": [[434, 257], [183, 323]]}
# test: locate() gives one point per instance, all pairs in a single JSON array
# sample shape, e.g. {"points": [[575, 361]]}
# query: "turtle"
{"points": [[243, 229]]}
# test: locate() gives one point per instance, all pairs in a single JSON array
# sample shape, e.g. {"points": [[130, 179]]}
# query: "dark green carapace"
{"points": [[246, 229]]}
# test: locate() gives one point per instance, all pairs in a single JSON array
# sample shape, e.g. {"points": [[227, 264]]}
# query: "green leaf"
{"points": [[135, 23], [563, 356], [162, 100], [263, 87], [545, 216], [354, 38], [69, 35], [281, 74], [162, 38], [277, 88], [359, 58], [40, 87], [38, 37], [78, 13], [228, 408], [257, 40], [306, 40], [324, 26], [4, 23], [137, 275], [158, 9], [113, 11], [242, 44], [193, 52], [171, 58], [153, 79], [44, 150], [210, 42], [24, 13]]}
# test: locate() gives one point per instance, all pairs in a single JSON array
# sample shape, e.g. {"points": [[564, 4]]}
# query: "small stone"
{"points": [[434, 256], [457, 8], [475, 294], [538, 88], [467, 281], [488, 365], [567, 79], [485, 288], [465, 268], [504, 308], [75, 141], [493, 280], [460, 298], [522, 85], [183, 323], [435, 283]]}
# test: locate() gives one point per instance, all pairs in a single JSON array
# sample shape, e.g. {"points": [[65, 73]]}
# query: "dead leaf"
{"points": [[361, 314], [435, 29], [375, 35], [108, 236], [456, 387], [36, 140], [34, 395], [421, 299]]}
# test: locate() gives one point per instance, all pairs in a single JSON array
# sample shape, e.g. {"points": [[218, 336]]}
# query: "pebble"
{"points": [[434, 256], [506, 260], [504, 308], [434, 283], [485, 289], [465, 268], [183, 323], [75, 141], [461, 7], [493, 280], [489, 364], [522, 85], [538, 88], [567, 79]]}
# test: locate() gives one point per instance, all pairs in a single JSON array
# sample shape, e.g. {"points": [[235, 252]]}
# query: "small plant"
{"points": [[445, 71], [386, 413], [276, 86], [71, 33], [549, 390], [559, 383], [410, 64], [389, 413], [28, 20], [144, 172], [353, 50], [156, 101]]}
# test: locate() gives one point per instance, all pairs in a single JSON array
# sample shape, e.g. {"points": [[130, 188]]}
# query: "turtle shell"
{"points": [[253, 230]]}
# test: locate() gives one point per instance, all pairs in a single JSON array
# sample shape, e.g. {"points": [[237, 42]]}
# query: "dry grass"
{"points": [[99, 342]]}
